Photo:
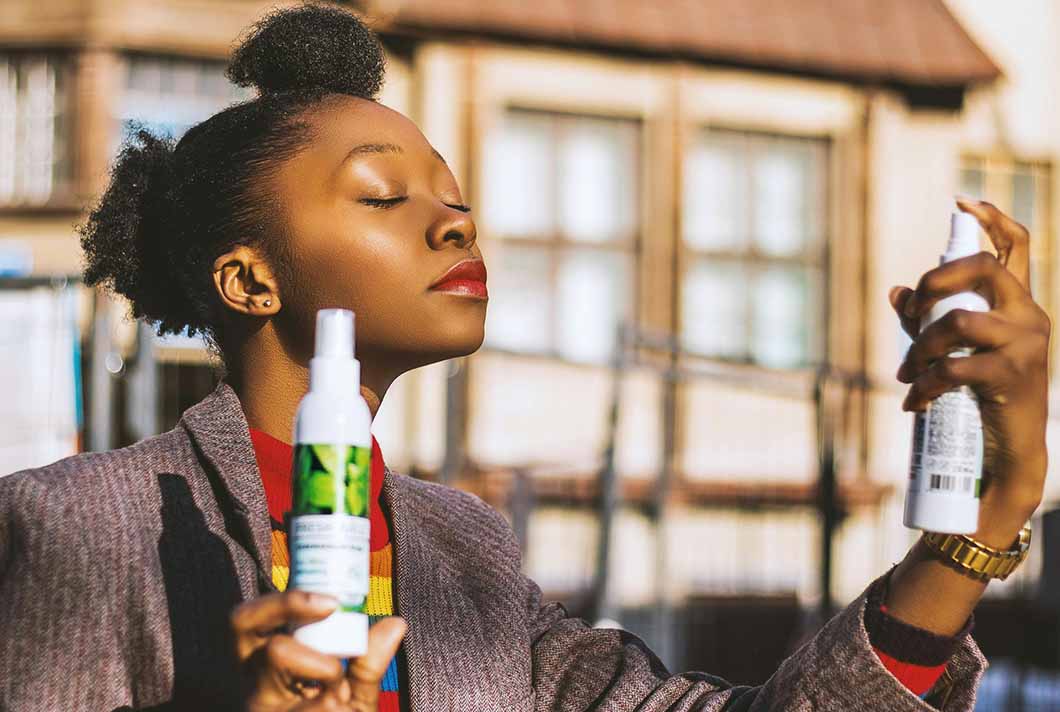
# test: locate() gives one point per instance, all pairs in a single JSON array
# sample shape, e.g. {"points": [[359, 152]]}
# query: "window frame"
{"points": [[755, 140], [557, 242]]}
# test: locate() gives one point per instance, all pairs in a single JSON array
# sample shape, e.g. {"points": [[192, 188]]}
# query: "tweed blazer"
{"points": [[118, 571]]}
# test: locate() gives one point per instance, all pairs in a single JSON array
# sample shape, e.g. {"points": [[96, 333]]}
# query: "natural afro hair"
{"points": [[171, 209], [315, 48]]}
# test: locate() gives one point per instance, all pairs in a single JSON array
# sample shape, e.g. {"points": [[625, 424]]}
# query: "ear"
{"points": [[246, 283]]}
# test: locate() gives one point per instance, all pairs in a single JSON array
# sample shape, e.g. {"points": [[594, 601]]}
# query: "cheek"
{"points": [[381, 272]]}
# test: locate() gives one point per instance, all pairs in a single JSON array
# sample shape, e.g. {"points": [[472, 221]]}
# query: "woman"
{"points": [[127, 578]]}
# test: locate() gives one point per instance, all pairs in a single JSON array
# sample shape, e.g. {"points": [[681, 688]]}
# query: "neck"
{"points": [[270, 384]]}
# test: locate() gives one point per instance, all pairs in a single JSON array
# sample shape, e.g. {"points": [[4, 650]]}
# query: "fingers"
{"points": [[945, 374], [287, 659], [1010, 239], [272, 670], [253, 620], [956, 330], [898, 296], [981, 273], [324, 703], [366, 672]]}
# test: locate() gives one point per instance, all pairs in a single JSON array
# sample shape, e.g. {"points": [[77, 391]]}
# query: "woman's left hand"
{"points": [[1008, 370]]}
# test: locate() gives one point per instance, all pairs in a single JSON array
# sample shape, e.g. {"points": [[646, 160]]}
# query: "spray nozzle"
{"points": [[334, 338], [964, 236]]}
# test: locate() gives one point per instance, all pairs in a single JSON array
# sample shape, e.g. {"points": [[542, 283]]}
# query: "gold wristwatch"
{"points": [[976, 559]]}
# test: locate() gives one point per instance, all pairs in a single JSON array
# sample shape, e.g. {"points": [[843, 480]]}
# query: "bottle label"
{"points": [[329, 524], [948, 445]]}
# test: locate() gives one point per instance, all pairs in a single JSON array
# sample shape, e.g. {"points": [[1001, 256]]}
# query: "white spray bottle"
{"points": [[329, 525], [946, 466]]}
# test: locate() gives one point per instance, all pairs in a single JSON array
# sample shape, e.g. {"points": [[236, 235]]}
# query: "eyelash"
{"points": [[385, 203]]}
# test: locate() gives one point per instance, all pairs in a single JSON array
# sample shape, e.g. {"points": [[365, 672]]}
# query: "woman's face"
{"points": [[376, 222]]}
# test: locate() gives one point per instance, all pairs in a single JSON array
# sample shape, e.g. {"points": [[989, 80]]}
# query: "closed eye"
{"points": [[384, 202], [458, 206]]}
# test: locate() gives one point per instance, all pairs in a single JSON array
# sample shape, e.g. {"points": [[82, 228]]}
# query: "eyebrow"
{"points": [[368, 148], [371, 148]]}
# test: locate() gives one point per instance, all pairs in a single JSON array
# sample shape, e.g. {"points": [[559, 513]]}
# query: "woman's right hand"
{"points": [[280, 674]]}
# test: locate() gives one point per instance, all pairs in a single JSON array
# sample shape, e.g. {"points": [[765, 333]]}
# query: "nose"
{"points": [[452, 228]]}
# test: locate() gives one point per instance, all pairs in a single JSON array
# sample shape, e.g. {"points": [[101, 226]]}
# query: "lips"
{"points": [[466, 278]]}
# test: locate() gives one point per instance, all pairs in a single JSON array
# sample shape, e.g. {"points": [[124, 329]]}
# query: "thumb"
{"points": [[366, 672]]}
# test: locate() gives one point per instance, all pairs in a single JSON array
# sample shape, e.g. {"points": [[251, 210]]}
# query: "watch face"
{"points": [[1024, 540]]}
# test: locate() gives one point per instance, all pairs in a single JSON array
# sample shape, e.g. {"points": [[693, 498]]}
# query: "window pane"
{"points": [[1023, 195], [519, 312], [715, 193], [972, 182], [714, 309], [785, 307], [37, 107], [594, 292], [8, 127], [788, 213], [597, 179], [518, 183], [32, 128], [170, 95]]}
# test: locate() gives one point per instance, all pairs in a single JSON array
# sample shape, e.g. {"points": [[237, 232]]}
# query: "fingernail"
{"points": [[961, 198], [892, 295], [321, 600]]}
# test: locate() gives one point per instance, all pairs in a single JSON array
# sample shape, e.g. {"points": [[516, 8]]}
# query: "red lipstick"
{"points": [[466, 278]]}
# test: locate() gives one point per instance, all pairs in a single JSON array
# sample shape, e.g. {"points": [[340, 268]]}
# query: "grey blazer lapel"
{"points": [[444, 659], [416, 578], [219, 430]]}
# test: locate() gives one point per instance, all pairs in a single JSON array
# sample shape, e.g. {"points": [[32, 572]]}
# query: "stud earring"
{"points": [[268, 302]]}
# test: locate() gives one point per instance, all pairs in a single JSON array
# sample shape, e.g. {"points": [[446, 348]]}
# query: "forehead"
{"points": [[346, 122]]}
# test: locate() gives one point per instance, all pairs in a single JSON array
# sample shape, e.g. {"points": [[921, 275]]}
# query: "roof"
{"points": [[908, 42]]}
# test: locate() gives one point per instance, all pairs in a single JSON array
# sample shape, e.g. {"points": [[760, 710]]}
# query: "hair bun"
{"points": [[310, 48]]}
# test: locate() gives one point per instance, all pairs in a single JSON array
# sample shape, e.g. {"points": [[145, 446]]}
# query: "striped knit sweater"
{"points": [[274, 460]]}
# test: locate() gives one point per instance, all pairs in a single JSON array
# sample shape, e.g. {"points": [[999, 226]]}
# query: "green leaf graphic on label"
{"points": [[322, 489], [355, 502], [332, 479], [329, 456]]}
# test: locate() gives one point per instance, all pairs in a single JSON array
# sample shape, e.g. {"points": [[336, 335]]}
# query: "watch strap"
{"points": [[975, 559]]}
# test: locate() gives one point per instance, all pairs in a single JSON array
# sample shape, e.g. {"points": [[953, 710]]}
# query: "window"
{"points": [[754, 237], [171, 94], [34, 129], [561, 198], [1022, 190]]}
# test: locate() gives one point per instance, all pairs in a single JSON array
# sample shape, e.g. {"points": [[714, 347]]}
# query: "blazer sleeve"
{"points": [[59, 647], [578, 668]]}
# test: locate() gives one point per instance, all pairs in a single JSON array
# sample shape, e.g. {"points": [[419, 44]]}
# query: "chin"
{"points": [[455, 339], [467, 344]]}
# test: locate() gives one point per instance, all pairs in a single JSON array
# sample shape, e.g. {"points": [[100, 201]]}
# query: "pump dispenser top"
{"points": [[333, 366], [334, 333], [964, 236]]}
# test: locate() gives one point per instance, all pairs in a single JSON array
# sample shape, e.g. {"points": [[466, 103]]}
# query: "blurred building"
{"points": [[737, 181]]}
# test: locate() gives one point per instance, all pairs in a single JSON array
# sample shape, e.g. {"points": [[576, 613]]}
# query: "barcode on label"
{"points": [[951, 483]]}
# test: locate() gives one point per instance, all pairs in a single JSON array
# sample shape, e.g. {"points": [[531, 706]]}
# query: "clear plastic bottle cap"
{"points": [[334, 338]]}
